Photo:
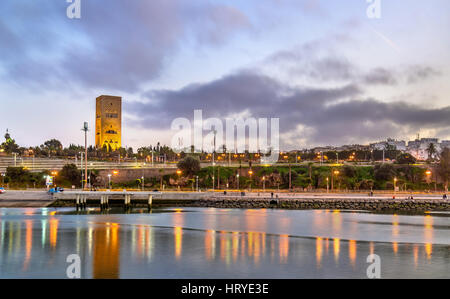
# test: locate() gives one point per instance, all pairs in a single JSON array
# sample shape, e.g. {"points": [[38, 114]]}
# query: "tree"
{"points": [[405, 158], [349, 171], [443, 168], [189, 166], [384, 172], [10, 147], [17, 174], [71, 174], [52, 146], [431, 150]]}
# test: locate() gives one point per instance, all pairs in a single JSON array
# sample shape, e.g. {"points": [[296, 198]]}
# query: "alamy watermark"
{"points": [[374, 269], [74, 268], [374, 9], [228, 135], [74, 9]]}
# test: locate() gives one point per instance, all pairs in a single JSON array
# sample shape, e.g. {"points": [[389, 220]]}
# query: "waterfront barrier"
{"points": [[106, 200], [128, 200], [370, 204]]}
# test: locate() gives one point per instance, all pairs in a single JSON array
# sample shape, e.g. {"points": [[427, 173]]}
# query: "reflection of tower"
{"points": [[106, 259], [108, 124]]}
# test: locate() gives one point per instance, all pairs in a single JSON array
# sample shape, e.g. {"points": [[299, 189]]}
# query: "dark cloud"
{"points": [[320, 60], [321, 115], [380, 76], [116, 44], [419, 73]]}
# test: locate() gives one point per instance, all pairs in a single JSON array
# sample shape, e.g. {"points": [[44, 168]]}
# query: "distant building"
{"points": [[419, 147], [445, 144], [397, 144], [108, 124]]}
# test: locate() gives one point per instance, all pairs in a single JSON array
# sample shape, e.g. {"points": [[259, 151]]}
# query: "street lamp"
{"points": [[109, 181], [179, 172], [237, 181], [328, 188], [250, 172], [395, 185], [335, 173], [428, 173], [264, 183]]}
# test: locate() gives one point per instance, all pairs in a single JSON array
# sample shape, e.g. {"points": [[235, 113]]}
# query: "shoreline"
{"points": [[289, 201]]}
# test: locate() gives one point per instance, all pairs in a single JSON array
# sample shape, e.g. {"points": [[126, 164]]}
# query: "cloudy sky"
{"points": [[327, 71]]}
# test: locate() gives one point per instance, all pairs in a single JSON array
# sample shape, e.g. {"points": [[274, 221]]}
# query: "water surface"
{"points": [[222, 243]]}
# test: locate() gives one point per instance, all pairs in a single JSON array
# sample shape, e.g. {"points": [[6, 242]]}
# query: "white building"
{"points": [[398, 144], [419, 147], [445, 144]]}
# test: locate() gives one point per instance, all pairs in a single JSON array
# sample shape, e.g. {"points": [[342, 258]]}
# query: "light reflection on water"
{"points": [[217, 243]]}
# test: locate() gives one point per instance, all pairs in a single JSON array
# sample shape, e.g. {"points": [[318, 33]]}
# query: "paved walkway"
{"points": [[18, 199]]}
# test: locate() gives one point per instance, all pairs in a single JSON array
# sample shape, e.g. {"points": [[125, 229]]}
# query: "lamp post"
{"points": [[218, 177], [81, 167], [237, 181], [143, 177], [250, 172], [179, 172], [290, 177], [196, 182], [395, 185], [85, 129], [328, 188], [264, 183], [428, 173], [109, 181], [335, 173]]}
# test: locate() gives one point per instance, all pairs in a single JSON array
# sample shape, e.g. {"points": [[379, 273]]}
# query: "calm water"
{"points": [[222, 243]]}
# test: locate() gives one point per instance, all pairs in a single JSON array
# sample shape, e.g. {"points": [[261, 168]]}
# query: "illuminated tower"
{"points": [[108, 124]]}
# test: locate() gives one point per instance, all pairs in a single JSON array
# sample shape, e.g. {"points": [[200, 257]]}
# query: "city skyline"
{"points": [[351, 80]]}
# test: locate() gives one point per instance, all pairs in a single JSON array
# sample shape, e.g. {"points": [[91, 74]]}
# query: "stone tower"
{"points": [[108, 124]]}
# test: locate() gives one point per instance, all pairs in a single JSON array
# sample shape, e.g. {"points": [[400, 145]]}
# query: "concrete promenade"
{"points": [[25, 199], [42, 199]]}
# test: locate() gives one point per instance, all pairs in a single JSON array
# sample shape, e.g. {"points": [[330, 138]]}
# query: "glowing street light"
{"points": [[179, 172], [335, 173]]}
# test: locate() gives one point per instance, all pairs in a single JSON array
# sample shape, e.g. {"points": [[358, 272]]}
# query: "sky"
{"points": [[331, 74]]}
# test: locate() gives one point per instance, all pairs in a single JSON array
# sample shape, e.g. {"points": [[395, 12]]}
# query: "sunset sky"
{"points": [[332, 75]]}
